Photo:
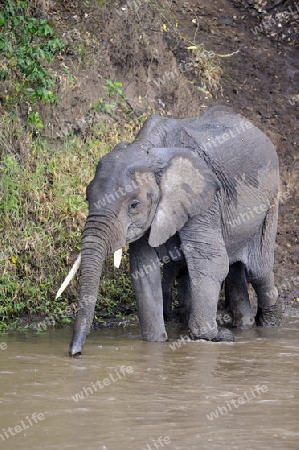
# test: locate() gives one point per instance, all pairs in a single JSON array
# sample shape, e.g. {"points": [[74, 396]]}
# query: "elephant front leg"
{"points": [[146, 279], [207, 267], [202, 322]]}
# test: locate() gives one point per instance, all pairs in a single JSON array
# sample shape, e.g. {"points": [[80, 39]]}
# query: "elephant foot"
{"points": [[154, 337], [244, 323], [270, 316], [223, 335]]}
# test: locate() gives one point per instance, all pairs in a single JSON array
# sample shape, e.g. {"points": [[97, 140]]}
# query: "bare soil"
{"points": [[138, 42]]}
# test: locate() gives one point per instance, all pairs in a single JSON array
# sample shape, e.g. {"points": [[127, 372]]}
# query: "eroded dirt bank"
{"points": [[145, 44]]}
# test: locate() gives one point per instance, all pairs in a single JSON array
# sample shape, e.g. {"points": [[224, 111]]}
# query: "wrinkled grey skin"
{"points": [[175, 180]]}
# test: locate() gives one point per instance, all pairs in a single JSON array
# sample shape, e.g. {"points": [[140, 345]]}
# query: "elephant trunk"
{"points": [[100, 237]]}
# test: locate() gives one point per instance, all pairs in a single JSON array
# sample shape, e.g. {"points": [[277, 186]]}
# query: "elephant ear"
{"points": [[188, 187]]}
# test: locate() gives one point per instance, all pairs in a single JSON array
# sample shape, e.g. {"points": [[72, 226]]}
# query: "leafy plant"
{"points": [[27, 46], [113, 87], [35, 121], [114, 93], [69, 74], [100, 105]]}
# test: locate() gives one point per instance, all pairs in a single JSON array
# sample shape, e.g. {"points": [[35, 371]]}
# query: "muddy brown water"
{"points": [[127, 394]]}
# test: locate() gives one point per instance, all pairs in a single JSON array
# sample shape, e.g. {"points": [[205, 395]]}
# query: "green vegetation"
{"points": [[120, 106], [42, 186], [27, 46], [42, 213], [42, 189]]}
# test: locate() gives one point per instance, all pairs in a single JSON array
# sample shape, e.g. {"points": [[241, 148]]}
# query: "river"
{"points": [[126, 394]]}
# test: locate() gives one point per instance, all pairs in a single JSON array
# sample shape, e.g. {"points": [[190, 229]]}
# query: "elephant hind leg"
{"points": [[172, 272], [184, 296], [168, 279], [236, 295], [269, 311], [261, 274]]}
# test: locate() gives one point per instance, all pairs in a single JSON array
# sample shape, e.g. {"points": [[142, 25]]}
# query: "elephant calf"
{"points": [[213, 183]]}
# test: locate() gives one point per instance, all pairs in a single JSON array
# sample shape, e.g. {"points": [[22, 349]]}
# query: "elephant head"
{"points": [[136, 190]]}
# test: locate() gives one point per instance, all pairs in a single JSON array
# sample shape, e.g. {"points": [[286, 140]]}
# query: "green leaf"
{"points": [[44, 29], [2, 19], [4, 74], [32, 26], [35, 121], [41, 53]]}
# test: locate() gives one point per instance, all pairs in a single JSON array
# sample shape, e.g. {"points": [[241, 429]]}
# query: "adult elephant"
{"points": [[209, 184]]}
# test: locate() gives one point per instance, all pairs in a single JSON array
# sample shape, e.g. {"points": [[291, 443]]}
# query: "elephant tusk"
{"points": [[69, 277], [117, 257]]}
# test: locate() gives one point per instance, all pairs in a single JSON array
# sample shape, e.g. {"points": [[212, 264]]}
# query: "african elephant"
{"points": [[212, 182]]}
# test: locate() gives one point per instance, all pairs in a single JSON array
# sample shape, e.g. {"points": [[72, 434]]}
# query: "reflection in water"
{"points": [[128, 394]]}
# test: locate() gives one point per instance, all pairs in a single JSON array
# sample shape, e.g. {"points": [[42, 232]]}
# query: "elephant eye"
{"points": [[134, 204]]}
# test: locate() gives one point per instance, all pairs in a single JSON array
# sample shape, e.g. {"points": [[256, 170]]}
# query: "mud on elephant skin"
{"points": [[212, 181]]}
